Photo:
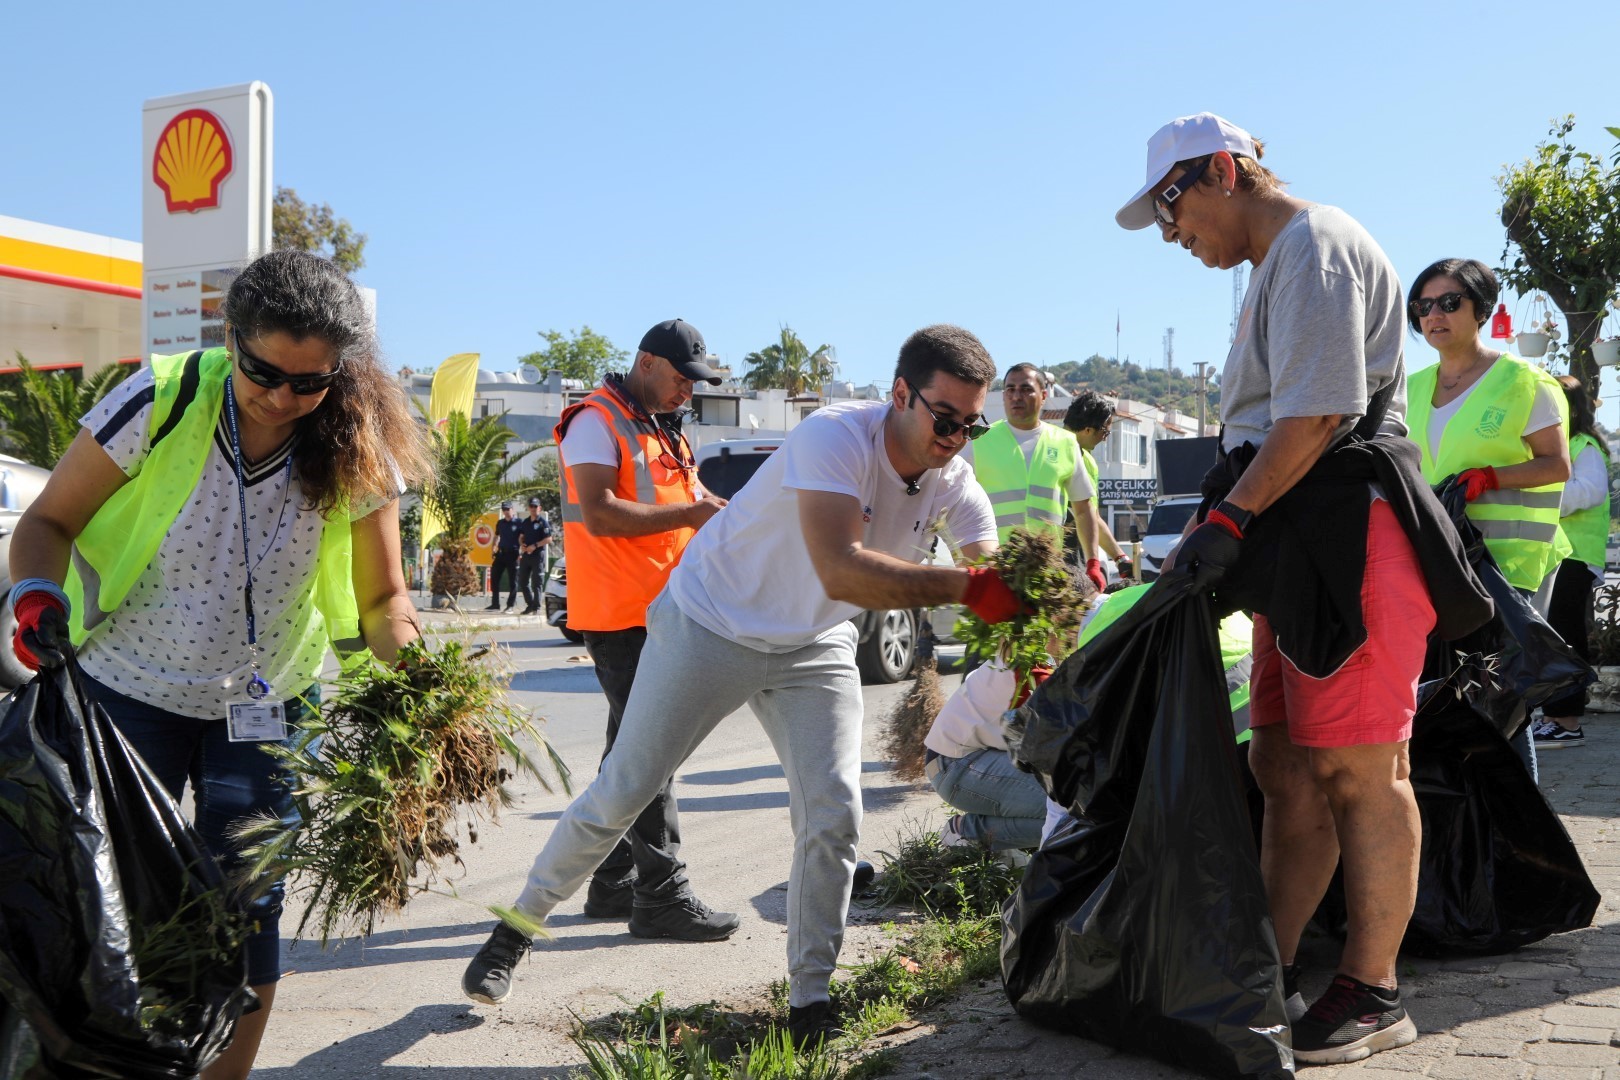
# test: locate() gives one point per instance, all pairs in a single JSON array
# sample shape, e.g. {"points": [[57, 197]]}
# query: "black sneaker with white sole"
{"points": [[488, 978], [1554, 736], [1351, 1021]]}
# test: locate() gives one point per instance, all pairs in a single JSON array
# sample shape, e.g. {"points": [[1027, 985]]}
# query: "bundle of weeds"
{"points": [[1031, 563], [180, 952], [902, 741], [944, 881], [397, 760]]}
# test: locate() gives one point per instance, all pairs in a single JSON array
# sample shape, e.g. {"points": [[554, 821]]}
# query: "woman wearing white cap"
{"points": [[1318, 520]]}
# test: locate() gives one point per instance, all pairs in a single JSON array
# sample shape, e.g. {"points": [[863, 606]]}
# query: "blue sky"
{"points": [[856, 171]]}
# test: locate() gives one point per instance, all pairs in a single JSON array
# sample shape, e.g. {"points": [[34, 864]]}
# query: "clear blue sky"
{"points": [[854, 170]]}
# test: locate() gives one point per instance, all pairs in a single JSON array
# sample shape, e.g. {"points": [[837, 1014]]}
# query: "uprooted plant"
{"points": [[1031, 563]]}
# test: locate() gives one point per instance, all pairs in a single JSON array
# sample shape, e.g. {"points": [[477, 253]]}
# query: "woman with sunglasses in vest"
{"points": [[1495, 422], [221, 520]]}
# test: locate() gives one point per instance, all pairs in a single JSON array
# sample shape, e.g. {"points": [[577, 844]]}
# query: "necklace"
{"points": [[1461, 375]]}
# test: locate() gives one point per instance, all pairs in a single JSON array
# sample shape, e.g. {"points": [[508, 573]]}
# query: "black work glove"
{"points": [[42, 632], [1209, 553]]}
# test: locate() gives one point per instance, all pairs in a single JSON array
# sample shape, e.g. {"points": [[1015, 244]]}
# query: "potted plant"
{"points": [[1543, 329], [1606, 350], [1604, 695]]}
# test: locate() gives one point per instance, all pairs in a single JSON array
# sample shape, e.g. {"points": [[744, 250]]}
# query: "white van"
{"points": [[1169, 517]]}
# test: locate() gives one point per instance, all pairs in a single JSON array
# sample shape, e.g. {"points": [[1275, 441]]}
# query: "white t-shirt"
{"points": [[589, 440], [179, 640], [1079, 485], [747, 574], [1543, 411], [970, 719]]}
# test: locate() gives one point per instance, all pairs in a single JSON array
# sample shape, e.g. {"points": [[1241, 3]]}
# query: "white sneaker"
{"points": [[950, 834]]}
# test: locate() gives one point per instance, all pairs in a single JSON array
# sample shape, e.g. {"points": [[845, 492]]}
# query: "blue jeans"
{"points": [[229, 781], [1003, 807]]}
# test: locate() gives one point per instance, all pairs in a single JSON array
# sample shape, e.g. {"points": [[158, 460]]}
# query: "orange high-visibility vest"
{"points": [[612, 579]]}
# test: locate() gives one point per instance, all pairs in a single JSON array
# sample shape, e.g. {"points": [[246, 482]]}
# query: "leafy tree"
{"points": [[546, 482], [308, 227], [1173, 389], [1561, 208], [788, 364], [469, 477], [581, 354], [40, 410]]}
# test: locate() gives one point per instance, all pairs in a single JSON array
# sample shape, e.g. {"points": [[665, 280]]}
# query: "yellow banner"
{"points": [[454, 386]]}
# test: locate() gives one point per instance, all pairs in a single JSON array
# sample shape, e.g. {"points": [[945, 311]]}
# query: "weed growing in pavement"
{"points": [[652, 1041], [941, 880]]}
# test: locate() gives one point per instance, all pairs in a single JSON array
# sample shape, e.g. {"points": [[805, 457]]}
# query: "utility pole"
{"points": [[1203, 395]]}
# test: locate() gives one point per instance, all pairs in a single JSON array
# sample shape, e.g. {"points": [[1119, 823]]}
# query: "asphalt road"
{"points": [[391, 1006]]}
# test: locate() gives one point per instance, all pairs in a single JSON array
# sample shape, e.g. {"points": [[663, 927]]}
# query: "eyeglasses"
{"points": [[1449, 302], [1166, 198], [271, 377], [944, 428]]}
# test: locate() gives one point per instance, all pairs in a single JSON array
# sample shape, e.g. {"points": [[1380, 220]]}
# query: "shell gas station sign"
{"points": [[206, 198]]}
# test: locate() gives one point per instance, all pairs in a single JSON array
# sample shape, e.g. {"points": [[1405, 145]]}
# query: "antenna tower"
{"points": [[1169, 348], [1237, 300]]}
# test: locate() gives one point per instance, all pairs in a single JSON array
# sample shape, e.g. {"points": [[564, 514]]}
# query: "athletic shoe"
{"points": [[813, 1023], [950, 834], [529, 610], [488, 978], [1350, 1022], [1550, 735], [689, 919], [865, 874], [610, 901], [509, 608], [493, 607], [1293, 1000]]}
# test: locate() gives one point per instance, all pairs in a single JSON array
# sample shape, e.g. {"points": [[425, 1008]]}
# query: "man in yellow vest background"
{"points": [[1031, 469], [1090, 417], [631, 501]]}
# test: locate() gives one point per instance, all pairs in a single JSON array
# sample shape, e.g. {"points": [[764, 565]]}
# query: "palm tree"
{"points": [[788, 364], [40, 410], [469, 477]]}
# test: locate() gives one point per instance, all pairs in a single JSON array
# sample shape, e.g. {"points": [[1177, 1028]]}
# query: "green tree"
{"points": [[580, 354], [789, 364], [469, 478], [1561, 208], [308, 227], [40, 410]]}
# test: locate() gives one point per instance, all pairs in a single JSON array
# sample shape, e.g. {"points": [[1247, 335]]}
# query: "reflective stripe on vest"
{"points": [[1588, 529], [1028, 492], [1520, 527], [123, 538], [1091, 471], [612, 579]]}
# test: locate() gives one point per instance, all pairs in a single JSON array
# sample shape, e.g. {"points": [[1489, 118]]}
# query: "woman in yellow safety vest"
{"points": [[1495, 422], [1585, 512], [220, 520]]}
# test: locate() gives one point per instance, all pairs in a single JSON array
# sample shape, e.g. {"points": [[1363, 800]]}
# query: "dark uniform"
{"points": [[531, 564], [505, 563]]}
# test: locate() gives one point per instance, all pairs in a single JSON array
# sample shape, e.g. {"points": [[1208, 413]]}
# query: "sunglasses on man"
{"points": [[945, 428], [1448, 303], [270, 377]]}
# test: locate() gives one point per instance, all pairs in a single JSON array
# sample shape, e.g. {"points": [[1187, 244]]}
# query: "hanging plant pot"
{"points": [[1533, 344], [1606, 353]]}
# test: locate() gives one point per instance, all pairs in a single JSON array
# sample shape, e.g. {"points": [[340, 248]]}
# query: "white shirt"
{"points": [[970, 719], [1543, 412], [1079, 486], [747, 574], [179, 640], [589, 440]]}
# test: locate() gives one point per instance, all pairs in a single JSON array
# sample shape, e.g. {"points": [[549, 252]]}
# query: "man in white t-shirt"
{"points": [[757, 613]]}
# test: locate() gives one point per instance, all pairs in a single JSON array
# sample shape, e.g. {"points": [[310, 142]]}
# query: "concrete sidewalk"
{"points": [[472, 615], [1550, 1011]]}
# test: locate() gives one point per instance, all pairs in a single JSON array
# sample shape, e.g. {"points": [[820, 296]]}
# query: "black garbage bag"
{"points": [[1144, 924], [1497, 869], [120, 954], [1530, 664]]}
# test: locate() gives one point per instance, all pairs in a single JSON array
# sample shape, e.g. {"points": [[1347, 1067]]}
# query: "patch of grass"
{"points": [[652, 1041], [940, 881]]}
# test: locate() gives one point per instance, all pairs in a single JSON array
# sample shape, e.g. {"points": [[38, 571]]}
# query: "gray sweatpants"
{"points": [[809, 703]]}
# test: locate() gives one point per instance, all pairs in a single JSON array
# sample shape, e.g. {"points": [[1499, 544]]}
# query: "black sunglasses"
{"points": [[944, 428], [271, 377], [1449, 303], [1166, 198]]}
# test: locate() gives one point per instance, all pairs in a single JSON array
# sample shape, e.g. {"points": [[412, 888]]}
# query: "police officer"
{"points": [[534, 536], [505, 561]]}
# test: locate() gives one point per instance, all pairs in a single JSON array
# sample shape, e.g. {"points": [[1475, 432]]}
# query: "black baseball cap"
{"points": [[506, 505], [534, 500], [680, 343]]}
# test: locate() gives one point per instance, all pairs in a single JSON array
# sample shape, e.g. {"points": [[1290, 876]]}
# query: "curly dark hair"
{"points": [[361, 440], [946, 348]]}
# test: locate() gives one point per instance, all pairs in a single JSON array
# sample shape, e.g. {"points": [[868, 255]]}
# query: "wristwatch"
{"points": [[1240, 517]]}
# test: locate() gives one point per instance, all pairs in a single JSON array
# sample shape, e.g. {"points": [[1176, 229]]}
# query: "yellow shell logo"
{"points": [[193, 158]]}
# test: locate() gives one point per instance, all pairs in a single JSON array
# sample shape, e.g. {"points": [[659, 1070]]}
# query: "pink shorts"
{"points": [[1372, 697]]}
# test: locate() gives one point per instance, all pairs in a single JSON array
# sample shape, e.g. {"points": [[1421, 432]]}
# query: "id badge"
{"points": [[256, 721]]}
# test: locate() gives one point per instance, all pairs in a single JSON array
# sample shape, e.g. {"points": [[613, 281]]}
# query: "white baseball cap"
{"points": [[1182, 138]]}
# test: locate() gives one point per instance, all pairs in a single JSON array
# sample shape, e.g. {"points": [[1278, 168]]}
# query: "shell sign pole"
{"points": [[206, 198]]}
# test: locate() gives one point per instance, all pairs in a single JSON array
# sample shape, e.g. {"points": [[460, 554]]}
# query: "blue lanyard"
{"points": [[257, 688]]}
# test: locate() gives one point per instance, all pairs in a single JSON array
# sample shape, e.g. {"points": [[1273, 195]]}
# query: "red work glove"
{"points": [[988, 596], [1094, 571], [1037, 675], [1476, 482], [42, 630]]}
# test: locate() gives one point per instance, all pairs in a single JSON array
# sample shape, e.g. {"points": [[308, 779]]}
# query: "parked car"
{"points": [[20, 483], [1170, 516], [556, 600]]}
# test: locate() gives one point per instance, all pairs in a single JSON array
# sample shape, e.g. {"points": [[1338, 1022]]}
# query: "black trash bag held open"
{"points": [[1529, 663], [119, 954], [1144, 923]]}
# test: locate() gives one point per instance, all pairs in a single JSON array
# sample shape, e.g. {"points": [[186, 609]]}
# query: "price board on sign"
{"points": [[1127, 492]]}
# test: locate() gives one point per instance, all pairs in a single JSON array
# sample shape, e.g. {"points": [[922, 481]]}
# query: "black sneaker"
{"points": [[1293, 1000], [493, 607], [688, 919], [610, 900], [865, 874], [812, 1024], [1351, 1021], [488, 978], [1550, 736]]}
